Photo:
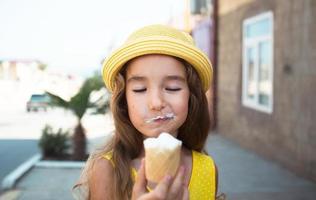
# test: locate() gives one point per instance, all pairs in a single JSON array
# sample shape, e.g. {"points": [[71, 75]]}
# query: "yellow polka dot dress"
{"points": [[202, 182]]}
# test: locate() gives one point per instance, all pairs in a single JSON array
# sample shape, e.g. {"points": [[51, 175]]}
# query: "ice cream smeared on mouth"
{"points": [[159, 117]]}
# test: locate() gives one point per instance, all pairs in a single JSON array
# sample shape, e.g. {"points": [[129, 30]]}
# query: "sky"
{"points": [[73, 35]]}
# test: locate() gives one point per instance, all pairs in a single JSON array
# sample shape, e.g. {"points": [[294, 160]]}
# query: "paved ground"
{"points": [[243, 175], [48, 184]]}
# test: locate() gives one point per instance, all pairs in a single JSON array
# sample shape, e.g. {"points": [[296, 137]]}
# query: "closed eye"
{"points": [[139, 90], [173, 89]]}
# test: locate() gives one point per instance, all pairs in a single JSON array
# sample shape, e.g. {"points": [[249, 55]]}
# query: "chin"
{"points": [[156, 131], [156, 134]]}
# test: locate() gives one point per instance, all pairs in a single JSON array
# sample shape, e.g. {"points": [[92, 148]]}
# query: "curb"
{"points": [[60, 164], [9, 181]]}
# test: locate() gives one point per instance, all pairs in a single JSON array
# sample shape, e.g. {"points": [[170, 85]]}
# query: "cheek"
{"points": [[185, 109], [135, 108], [182, 106]]}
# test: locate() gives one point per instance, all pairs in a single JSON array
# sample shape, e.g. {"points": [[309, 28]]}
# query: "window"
{"points": [[257, 81], [199, 6]]}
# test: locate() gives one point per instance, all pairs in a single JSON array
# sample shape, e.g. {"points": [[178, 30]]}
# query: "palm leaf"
{"points": [[57, 101]]}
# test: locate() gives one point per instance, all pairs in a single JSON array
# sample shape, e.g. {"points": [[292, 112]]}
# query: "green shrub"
{"points": [[54, 144]]}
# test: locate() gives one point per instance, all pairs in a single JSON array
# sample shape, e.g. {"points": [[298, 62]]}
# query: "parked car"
{"points": [[37, 101]]}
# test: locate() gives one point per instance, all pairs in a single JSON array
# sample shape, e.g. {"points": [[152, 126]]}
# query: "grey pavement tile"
{"points": [[245, 175], [48, 183], [289, 195]]}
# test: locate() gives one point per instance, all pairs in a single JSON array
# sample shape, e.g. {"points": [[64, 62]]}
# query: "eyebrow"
{"points": [[167, 78], [136, 78], [176, 78]]}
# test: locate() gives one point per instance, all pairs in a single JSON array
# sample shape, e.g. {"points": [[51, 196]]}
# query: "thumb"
{"points": [[140, 182]]}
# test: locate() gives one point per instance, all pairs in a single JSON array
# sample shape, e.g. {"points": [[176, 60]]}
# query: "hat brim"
{"points": [[157, 45]]}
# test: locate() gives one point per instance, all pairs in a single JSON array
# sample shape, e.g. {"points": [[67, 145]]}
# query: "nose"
{"points": [[156, 100]]}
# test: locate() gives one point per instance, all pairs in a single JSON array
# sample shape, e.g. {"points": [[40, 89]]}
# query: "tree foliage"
{"points": [[79, 104]]}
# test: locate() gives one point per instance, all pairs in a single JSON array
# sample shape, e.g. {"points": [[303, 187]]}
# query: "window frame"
{"points": [[254, 43]]}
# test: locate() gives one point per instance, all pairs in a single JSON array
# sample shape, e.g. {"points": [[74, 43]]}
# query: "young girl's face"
{"points": [[157, 94]]}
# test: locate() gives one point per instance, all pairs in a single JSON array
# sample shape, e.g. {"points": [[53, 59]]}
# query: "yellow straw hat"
{"points": [[158, 39]]}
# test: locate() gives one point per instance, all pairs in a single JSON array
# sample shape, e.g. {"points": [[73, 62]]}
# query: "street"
{"points": [[15, 152], [20, 132]]}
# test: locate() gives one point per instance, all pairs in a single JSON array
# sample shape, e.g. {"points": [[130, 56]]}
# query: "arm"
{"points": [[101, 180]]}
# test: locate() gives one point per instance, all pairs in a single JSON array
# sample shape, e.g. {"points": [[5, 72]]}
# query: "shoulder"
{"points": [[101, 179], [103, 165]]}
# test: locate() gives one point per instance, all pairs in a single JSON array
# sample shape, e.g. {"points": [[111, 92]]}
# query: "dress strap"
{"points": [[108, 156]]}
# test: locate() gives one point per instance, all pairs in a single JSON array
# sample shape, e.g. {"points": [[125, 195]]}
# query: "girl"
{"points": [[158, 71]]}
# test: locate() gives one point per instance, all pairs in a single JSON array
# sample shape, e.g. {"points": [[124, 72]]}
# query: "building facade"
{"points": [[266, 79], [19, 79]]}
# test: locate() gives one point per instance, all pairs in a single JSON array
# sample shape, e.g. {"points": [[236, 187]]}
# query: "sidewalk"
{"points": [[242, 175], [50, 180]]}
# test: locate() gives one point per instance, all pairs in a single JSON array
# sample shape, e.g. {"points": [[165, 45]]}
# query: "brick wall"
{"points": [[288, 134]]}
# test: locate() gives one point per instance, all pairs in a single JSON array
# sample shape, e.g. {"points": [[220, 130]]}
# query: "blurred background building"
{"points": [[266, 79], [19, 79], [263, 55]]}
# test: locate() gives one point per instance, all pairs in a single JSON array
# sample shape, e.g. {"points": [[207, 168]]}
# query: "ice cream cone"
{"points": [[162, 156]]}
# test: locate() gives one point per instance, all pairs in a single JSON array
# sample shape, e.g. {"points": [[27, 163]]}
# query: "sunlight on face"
{"points": [[157, 94]]}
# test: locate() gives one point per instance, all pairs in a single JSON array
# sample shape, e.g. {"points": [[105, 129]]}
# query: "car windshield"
{"points": [[39, 98]]}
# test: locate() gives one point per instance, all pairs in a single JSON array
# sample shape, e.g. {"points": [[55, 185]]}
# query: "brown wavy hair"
{"points": [[127, 142]]}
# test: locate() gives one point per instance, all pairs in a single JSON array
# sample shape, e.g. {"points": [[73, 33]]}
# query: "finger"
{"points": [[141, 182], [177, 185], [161, 190], [185, 193]]}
